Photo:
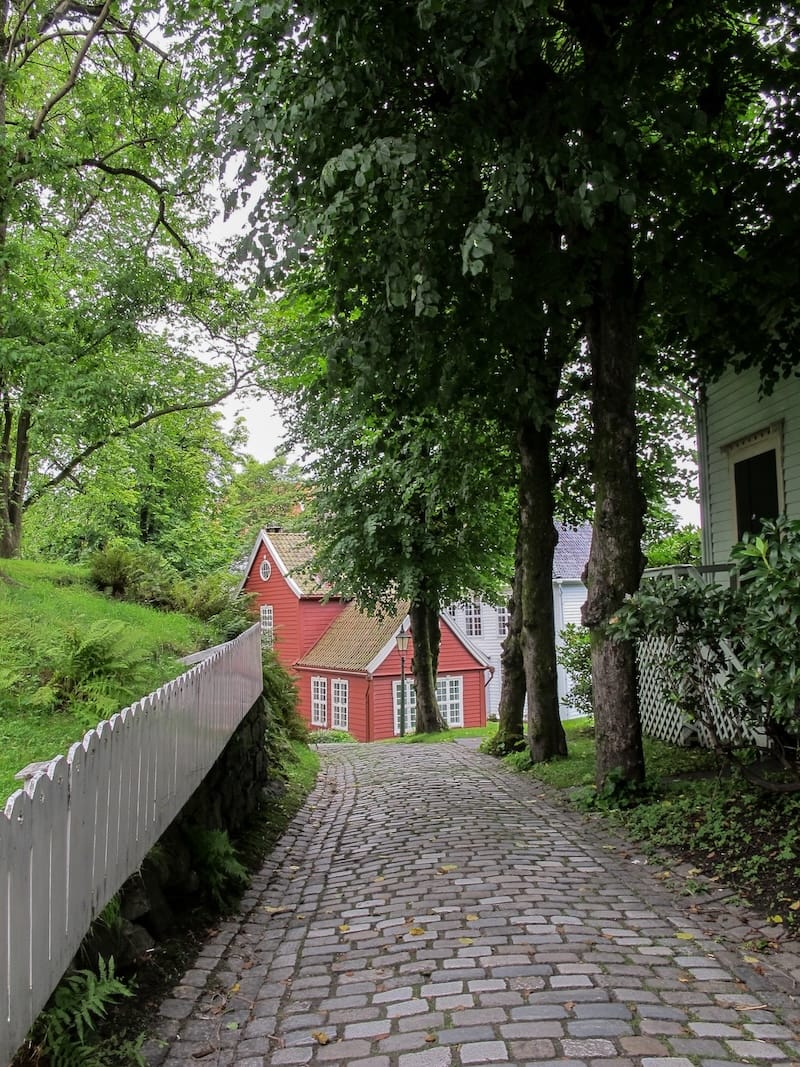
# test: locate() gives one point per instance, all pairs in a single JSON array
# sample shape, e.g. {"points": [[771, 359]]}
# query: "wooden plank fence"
{"points": [[83, 824]]}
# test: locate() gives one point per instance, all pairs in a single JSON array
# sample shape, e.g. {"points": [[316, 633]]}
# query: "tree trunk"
{"points": [[510, 736], [615, 561], [546, 738], [426, 636], [14, 468]]}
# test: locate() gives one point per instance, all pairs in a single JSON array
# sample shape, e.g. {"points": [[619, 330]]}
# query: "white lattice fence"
{"points": [[83, 825], [660, 715]]}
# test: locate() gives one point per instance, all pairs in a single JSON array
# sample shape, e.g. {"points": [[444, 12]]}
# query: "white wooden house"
{"points": [[749, 465], [486, 625], [749, 458]]}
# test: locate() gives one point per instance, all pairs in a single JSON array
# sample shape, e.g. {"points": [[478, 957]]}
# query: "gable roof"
{"points": [[293, 553], [353, 640], [572, 551]]}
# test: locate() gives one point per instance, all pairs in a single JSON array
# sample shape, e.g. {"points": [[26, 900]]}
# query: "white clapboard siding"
{"points": [[733, 410], [83, 825]]}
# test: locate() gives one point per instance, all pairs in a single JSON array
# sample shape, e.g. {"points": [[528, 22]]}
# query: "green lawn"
{"points": [[70, 656]]}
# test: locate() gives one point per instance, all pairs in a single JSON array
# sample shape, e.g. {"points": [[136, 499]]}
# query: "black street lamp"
{"points": [[402, 640]]}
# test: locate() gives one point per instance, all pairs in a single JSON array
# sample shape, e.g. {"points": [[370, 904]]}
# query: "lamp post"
{"points": [[402, 640]]}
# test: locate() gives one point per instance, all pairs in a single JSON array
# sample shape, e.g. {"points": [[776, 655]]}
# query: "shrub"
{"points": [[576, 659], [94, 664], [135, 573], [331, 737], [681, 547], [222, 875], [66, 1030], [213, 599], [737, 647]]}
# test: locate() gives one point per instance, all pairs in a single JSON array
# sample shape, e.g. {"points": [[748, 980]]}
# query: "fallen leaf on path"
{"points": [[430, 1038], [343, 928], [320, 1037], [446, 868], [684, 935], [466, 940], [415, 931], [471, 918]]}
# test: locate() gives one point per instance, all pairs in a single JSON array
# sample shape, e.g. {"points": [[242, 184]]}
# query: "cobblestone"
{"points": [[428, 908]]}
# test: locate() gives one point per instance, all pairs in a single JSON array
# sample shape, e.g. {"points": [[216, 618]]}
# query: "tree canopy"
{"points": [[107, 293], [488, 188]]}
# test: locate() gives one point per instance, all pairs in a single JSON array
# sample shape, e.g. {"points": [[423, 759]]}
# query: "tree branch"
{"points": [[72, 77], [68, 470], [145, 179]]}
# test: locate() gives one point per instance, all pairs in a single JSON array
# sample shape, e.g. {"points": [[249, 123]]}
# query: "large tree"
{"points": [[403, 512], [107, 296], [578, 141], [163, 485]]}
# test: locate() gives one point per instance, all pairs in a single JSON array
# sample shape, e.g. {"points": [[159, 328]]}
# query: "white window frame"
{"points": [[473, 621], [340, 699], [410, 709], [503, 620], [265, 570], [767, 439], [319, 702], [450, 695], [267, 617]]}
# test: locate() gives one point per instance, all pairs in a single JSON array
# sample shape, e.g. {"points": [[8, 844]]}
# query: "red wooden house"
{"points": [[346, 662]]}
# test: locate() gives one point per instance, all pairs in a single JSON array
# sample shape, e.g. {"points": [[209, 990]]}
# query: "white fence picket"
{"points": [[81, 827]]}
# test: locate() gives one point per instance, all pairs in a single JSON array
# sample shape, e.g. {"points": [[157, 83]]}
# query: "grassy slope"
{"points": [[41, 603]]}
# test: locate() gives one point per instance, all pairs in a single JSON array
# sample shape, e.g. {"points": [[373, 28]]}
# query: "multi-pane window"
{"points": [[451, 610], [265, 570], [267, 625], [448, 693], [410, 708], [472, 618], [319, 701], [502, 621], [339, 704]]}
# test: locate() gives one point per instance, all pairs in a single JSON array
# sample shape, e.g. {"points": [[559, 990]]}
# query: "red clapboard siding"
{"points": [[285, 607], [359, 687]]}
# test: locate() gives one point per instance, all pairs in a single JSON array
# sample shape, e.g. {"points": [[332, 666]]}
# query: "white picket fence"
{"points": [[83, 825]]}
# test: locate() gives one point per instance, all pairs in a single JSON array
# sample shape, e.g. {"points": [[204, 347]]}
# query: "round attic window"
{"points": [[265, 570]]}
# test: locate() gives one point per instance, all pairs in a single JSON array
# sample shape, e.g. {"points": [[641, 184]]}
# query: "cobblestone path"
{"points": [[429, 908]]}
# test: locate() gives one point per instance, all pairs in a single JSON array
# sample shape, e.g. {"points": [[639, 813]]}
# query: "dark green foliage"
{"points": [[66, 1029], [213, 599], [616, 793], [496, 745], [575, 657], [135, 572], [731, 830], [95, 664], [284, 726], [222, 875], [737, 646]]}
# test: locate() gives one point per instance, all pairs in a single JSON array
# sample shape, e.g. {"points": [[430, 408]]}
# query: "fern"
{"points": [[79, 1003], [221, 874]]}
